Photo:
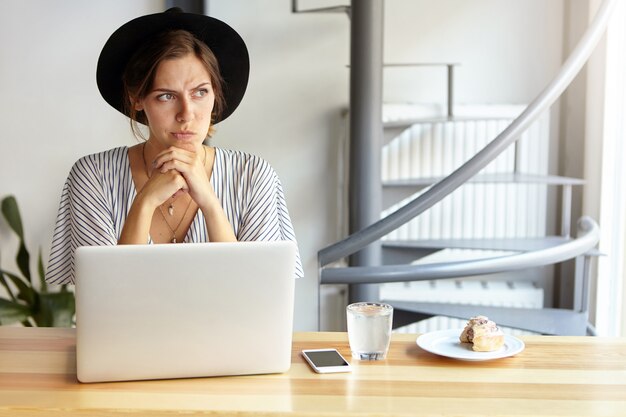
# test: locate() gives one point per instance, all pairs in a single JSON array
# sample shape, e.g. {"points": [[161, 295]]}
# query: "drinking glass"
{"points": [[369, 330]]}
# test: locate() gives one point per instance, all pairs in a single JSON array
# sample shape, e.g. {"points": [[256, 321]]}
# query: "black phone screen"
{"points": [[326, 358]]}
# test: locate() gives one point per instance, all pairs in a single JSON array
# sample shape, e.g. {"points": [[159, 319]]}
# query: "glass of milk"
{"points": [[369, 330]]}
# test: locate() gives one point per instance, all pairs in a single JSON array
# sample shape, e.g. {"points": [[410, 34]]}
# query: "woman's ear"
{"points": [[137, 104]]}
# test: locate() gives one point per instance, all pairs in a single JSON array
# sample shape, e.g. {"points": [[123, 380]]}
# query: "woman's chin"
{"points": [[189, 146], [186, 144]]}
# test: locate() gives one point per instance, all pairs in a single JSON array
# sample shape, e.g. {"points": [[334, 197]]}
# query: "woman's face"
{"points": [[178, 107]]}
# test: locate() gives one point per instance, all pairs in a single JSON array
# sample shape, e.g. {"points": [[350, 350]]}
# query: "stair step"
{"points": [[393, 128], [406, 123], [395, 191], [512, 292], [510, 244], [331, 9], [402, 252], [506, 177], [541, 320]]}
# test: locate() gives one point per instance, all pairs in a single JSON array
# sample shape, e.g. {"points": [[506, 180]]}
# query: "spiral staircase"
{"points": [[364, 248]]}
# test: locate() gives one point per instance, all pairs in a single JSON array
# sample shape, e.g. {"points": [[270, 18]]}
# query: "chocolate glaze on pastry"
{"points": [[483, 333]]}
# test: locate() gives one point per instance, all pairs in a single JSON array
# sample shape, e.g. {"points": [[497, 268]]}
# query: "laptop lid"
{"points": [[189, 310]]}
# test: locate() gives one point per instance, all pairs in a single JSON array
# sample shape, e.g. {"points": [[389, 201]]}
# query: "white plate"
{"points": [[447, 343]]}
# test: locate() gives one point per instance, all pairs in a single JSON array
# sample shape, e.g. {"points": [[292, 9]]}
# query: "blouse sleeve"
{"points": [[84, 219], [266, 216]]}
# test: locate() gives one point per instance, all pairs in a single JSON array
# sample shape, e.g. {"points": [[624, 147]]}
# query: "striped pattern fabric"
{"points": [[99, 192]]}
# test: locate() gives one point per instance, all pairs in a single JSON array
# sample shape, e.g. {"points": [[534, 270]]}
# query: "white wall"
{"points": [[298, 85], [52, 113], [604, 154], [571, 158], [507, 50]]}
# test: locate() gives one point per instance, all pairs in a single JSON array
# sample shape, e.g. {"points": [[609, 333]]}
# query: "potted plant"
{"points": [[28, 302]]}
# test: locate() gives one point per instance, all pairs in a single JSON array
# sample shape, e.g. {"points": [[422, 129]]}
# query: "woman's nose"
{"points": [[185, 113]]}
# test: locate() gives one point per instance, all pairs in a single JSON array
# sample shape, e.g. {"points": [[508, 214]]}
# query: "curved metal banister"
{"points": [[544, 100], [589, 236]]}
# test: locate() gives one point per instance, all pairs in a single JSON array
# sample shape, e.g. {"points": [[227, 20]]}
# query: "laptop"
{"points": [[179, 311]]}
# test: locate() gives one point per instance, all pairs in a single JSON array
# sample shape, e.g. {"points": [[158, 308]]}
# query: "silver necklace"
{"points": [[170, 209]]}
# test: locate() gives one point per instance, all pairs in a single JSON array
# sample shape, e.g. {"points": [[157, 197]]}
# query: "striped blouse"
{"points": [[99, 192]]}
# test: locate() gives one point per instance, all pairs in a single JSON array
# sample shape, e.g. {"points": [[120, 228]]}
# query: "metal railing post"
{"points": [[188, 6], [331, 9], [566, 210], [366, 133], [450, 90]]}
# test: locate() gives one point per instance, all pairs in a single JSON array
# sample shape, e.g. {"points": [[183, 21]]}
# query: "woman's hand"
{"points": [[190, 165], [158, 189], [163, 185]]}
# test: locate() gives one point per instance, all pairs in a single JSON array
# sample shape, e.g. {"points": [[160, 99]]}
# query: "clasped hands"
{"points": [[175, 171]]}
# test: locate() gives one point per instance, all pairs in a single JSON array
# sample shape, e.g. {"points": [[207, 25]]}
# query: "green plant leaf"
{"points": [[24, 291], [12, 312], [23, 261], [11, 213], [8, 289], [29, 306], [42, 274], [56, 309]]}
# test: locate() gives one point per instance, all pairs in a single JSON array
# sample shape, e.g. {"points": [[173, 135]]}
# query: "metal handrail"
{"points": [[331, 9], [437, 192], [449, 78], [589, 236]]}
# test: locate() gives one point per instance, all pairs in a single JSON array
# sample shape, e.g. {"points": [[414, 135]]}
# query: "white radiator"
{"points": [[444, 323], [475, 210], [479, 210]]}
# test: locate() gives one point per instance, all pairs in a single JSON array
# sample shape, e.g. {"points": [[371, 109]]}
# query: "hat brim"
{"points": [[225, 43]]}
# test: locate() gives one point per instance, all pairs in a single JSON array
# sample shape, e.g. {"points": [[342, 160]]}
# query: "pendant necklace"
{"points": [[170, 209]]}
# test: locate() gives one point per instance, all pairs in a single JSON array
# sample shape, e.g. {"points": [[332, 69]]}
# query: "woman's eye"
{"points": [[201, 92], [165, 97]]}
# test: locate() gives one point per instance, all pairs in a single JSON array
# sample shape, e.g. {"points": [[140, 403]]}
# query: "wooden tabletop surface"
{"points": [[553, 376]]}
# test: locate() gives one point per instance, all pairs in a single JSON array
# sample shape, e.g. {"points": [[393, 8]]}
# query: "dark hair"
{"points": [[141, 70]]}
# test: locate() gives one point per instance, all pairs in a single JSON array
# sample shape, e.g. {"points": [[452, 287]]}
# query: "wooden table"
{"points": [[553, 376]]}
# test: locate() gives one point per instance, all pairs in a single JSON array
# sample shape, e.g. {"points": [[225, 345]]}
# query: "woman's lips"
{"points": [[186, 135]]}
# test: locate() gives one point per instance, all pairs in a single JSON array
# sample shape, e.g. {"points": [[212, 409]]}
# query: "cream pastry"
{"points": [[483, 333]]}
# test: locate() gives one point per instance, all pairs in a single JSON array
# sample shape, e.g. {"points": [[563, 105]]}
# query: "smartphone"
{"points": [[325, 361]]}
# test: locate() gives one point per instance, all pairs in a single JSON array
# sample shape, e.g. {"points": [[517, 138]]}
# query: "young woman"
{"points": [[178, 74]]}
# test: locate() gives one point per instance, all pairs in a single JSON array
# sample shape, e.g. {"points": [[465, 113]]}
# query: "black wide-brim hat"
{"points": [[225, 43]]}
